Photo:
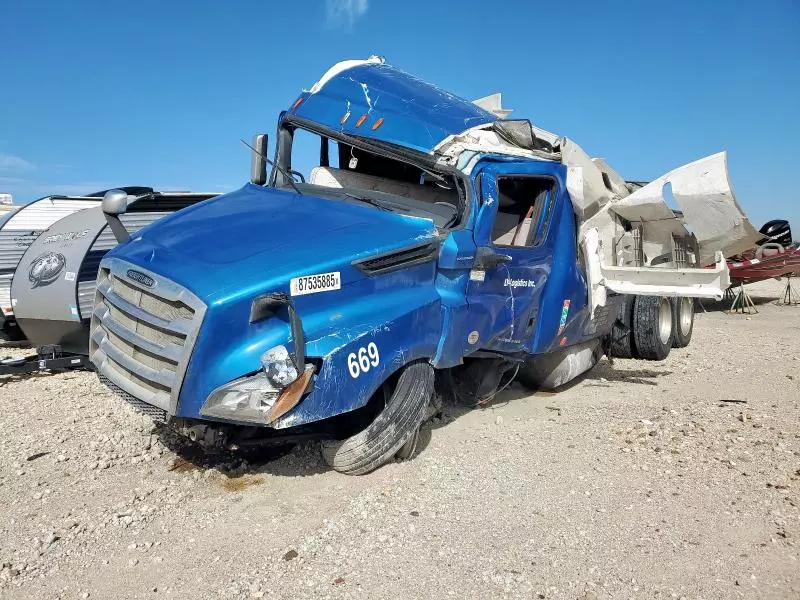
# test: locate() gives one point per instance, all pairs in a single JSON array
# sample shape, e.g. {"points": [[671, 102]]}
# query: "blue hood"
{"points": [[406, 110], [256, 239]]}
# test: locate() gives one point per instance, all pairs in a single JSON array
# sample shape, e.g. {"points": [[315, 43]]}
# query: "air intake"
{"points": [[399, 259]]}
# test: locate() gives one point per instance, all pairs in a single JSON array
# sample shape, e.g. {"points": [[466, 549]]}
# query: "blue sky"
{"points": [[96, 94]]}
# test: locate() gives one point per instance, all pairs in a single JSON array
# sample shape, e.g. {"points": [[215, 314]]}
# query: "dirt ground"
{"points": [[678, 479]]}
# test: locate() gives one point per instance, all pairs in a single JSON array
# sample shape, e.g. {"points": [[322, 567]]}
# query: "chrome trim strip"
{"points": [[163, 377], [141, 314], [171, 351], [103, 365]]}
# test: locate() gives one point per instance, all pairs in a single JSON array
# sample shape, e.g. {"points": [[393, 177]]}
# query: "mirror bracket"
{"points": [[115, 203], [486, 258]]}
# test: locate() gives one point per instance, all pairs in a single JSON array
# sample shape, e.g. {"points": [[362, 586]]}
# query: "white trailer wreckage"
{"points": [[627, 228]]}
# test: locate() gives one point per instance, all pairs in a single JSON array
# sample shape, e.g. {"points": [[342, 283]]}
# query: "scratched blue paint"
{"points": [[230, 249], [415, 113]]}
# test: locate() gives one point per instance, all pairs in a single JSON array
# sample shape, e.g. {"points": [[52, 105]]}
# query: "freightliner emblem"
{"points": [[46, 268], [140, 277]]}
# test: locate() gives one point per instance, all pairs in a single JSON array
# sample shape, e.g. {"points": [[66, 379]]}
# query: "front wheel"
{"points": [[392, 432]]}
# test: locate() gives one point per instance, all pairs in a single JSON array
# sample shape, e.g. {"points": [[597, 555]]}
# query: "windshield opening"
{"points": [[336, 170]]}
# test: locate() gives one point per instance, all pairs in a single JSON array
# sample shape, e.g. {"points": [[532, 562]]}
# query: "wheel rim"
{"points": [[686, 315], [664, 321]]}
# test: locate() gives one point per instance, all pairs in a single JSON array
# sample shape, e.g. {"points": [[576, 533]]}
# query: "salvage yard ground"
{"points": [[643, 480]]}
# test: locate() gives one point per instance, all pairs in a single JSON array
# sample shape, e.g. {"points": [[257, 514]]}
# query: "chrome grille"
{"points": [[142, 338]]}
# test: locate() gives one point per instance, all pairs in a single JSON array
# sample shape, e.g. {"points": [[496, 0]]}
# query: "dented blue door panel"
{"points": [[517, 306], [397, 107]]}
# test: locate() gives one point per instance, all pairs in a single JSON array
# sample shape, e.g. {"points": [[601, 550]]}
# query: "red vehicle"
{"points": [[775, 256]]}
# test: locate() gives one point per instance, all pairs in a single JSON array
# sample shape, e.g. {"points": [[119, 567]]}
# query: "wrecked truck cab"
{"points": [[426, 236]]}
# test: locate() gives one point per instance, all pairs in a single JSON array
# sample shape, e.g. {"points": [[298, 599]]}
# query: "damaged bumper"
{"points": [[694, 283]]}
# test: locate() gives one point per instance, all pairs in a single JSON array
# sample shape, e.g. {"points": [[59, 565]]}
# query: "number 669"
{"points": [[364, 360]]}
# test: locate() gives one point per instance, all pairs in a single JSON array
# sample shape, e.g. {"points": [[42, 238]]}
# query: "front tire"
{"points": [[682, 322], [652, 327], [391, 431]]}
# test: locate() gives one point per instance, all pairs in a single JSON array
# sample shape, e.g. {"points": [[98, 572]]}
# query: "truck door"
{"points": [[514, 258]]}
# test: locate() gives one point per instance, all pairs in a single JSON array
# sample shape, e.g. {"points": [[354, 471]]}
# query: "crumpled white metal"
{"points": [[704, 194]]}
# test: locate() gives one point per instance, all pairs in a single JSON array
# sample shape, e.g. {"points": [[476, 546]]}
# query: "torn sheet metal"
{"points": [[585, 183], [369, 98], [703, 193], [484, 139], [612, 180], [494, 104]]}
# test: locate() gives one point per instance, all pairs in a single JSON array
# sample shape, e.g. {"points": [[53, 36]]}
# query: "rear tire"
{"points": [[391, 431], [622, 339], [682, 321], [652, 327]]}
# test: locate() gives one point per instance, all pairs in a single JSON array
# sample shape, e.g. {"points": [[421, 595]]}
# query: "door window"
{"points": [[523, 211]]}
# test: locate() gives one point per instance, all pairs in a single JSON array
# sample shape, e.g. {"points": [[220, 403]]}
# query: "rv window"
{"points": [[523, 212]]}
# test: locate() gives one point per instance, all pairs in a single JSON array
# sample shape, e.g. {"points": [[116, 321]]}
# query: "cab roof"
{"points": [[371, 99]]}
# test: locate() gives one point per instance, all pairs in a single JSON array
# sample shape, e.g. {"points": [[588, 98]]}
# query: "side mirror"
{"points": [[486, 258], [258, 161], [115, 203]]}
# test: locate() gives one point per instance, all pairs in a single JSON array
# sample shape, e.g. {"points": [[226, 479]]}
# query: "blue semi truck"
{"points": [[404, 239]]}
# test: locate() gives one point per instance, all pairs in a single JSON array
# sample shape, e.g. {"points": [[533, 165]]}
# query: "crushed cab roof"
{"points": [[374, 100]]}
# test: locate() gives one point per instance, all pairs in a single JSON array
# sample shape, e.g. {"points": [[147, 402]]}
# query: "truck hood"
{"points": [[257, 239]]}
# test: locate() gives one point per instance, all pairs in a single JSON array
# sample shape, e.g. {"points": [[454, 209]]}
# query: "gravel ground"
{"points": [[642, 480]]}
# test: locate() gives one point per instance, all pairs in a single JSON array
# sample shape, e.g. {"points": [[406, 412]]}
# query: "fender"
{"points": [[404, 326]]}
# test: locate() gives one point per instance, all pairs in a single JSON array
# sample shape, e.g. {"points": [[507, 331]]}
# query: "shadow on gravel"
{"points": [[239, 467], [243, 468], [616, 373], [725, 305]]}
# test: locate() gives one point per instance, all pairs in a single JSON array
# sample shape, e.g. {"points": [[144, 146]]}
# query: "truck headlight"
{"points": [[263, 397], [246, 399], [279, 366]]}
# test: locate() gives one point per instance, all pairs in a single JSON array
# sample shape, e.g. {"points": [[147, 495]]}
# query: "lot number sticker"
{"points": [[312, 284], [363, 361]]}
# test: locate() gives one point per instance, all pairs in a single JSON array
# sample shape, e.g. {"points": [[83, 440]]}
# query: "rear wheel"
{"points": [[652, 327], [682, 322], [393, 432], [622, 332]]}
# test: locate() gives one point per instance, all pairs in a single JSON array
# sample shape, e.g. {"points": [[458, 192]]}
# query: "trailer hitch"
{"points": [[48, 358]]}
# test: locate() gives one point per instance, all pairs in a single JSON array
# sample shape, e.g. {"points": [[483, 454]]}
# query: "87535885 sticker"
{"points": [[313, 284]]}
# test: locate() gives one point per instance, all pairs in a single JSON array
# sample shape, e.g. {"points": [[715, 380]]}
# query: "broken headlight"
{"points": [[251, 398], [279, 366], [246, 399]]}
